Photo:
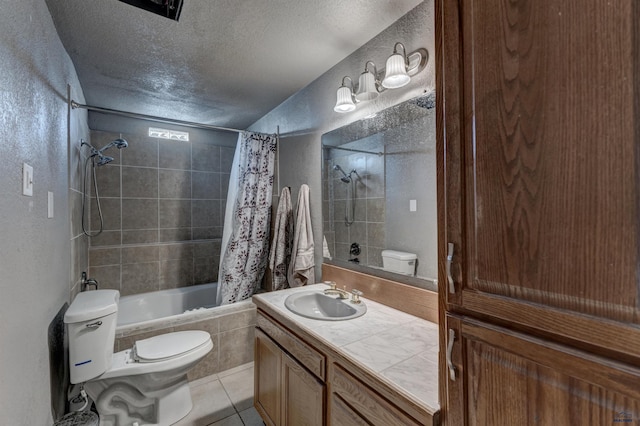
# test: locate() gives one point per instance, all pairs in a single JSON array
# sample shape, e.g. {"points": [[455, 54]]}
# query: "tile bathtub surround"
{"points": [[163, 207], [388, 343]]}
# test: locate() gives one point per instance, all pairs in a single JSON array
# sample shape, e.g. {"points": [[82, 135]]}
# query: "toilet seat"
{"points": [[124, 363], [169, 345]]}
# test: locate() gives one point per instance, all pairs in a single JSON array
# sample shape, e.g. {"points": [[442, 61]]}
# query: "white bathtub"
{"points": [[163, 305]]}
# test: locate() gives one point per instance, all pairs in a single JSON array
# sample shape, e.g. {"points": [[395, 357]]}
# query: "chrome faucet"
{"points": [[85, 282]]}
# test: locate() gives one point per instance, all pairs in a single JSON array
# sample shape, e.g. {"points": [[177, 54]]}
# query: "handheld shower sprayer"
{"points": [[101, 160], [345, 178], [350, 205], [104, 159], [118, 143]]}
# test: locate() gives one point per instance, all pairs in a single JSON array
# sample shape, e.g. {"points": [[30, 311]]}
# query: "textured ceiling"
{"points": [[226, 62]]}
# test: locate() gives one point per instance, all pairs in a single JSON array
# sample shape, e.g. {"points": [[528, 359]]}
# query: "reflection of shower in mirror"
{"points": [[395, 158], [350, 204]]}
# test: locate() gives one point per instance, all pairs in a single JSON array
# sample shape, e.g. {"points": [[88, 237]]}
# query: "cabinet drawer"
{"points": [[368, 404], [343, 415], [313, 360]]}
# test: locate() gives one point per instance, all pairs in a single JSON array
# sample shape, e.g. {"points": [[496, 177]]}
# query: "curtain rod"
{"points": [[74, 105], [352, 150]]}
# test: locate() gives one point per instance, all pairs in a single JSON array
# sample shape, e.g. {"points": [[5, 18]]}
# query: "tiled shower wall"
{"points": [[367, 229], [163, 204]]}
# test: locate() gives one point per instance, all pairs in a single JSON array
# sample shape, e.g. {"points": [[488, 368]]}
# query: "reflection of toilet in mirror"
{"points": [[146, 384], [399, 262]]}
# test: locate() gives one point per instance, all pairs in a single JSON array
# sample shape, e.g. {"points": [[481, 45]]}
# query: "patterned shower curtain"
{"points": [[244, 257]]}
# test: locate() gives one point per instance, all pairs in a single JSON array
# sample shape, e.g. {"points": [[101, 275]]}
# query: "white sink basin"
{"points": [[317, 305]]}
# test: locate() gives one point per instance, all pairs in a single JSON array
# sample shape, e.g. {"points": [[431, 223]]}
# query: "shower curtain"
{"points": [[245, 237]]}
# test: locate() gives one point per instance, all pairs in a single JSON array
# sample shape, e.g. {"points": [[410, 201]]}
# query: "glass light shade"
{"points": [[396, 72], [367, 90], [344, 102]]}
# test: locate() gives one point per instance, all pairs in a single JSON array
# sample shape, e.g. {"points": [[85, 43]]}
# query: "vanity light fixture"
{"points": [[396, 75], [345, 101], [368, 84], [399, 69]]}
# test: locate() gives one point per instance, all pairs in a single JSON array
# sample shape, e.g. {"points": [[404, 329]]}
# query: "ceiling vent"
{"points": [[168, 8]]}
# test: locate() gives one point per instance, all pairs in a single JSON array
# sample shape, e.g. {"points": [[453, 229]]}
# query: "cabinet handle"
{"points": [[452, 287], [452, 369]]}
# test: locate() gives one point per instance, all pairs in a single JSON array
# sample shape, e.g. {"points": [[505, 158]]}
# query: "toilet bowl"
{"points": [[146, 384]]}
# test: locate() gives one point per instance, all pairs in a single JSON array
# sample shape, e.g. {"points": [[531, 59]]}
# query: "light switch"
{"points": [[27, 180], [50, 205], [413, 205]]}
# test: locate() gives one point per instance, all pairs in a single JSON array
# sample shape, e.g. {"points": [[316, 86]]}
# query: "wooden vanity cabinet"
{"points": [[299, 381], [303, 396], [285, 392], [538, 205], [362, 403], [268, 378]]}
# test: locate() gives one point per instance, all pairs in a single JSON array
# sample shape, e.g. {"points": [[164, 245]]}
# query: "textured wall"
{"points": [[78, 130], [35, 251], [410, 170], [305, 116]]}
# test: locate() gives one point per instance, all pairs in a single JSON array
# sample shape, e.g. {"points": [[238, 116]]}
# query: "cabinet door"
{"points": [[539, 164], [267, 378], [303, 395], [515, 379]]}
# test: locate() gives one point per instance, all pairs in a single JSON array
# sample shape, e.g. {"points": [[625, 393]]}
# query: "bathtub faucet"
{"points": [[85, 282]]}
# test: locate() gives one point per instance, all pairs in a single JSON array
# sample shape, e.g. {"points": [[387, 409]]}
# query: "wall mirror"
{"points": [[379, 192]]}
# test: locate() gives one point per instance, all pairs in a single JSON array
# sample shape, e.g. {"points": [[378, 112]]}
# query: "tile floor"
{"points": [[223, 399]]}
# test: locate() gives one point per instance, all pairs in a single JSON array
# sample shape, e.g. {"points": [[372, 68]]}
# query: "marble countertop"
{"points": [[399, 348]]}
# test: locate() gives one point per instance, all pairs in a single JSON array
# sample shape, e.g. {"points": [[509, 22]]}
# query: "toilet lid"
{"points": [[169, 345]]}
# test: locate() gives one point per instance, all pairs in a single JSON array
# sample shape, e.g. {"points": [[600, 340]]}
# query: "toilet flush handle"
{"points": [[94, 324]]}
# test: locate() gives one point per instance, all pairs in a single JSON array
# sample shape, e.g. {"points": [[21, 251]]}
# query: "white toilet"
{"points": [[145, 385]]}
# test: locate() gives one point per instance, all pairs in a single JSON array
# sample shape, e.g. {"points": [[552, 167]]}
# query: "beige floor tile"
{"points": [[239, 387], [210, 404], [203, 380]]}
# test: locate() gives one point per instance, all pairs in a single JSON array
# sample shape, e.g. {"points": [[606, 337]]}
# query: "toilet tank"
{"points": [[399, 262], [91, 327]]}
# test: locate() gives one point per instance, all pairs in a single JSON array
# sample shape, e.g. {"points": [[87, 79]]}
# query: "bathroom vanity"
{"points": [[380, 368]]}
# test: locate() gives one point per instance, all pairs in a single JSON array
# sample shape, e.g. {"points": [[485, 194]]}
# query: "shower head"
{"points": [[118, 143], [104, 160], [345, 178]]}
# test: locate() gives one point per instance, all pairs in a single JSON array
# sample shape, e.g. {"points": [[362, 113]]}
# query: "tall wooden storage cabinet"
{"points": [[538, 105]]}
